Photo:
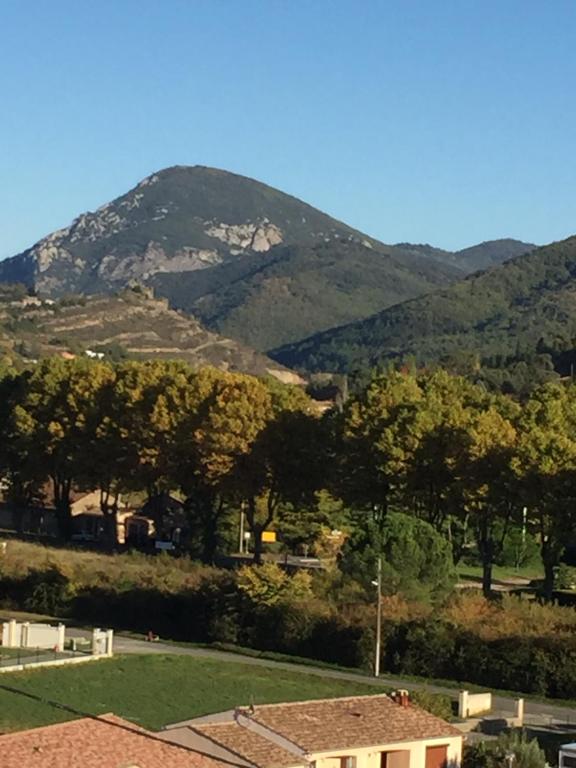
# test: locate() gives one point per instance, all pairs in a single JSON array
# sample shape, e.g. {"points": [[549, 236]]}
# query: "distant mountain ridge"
{"points": [[525, 306], [475, 258]]}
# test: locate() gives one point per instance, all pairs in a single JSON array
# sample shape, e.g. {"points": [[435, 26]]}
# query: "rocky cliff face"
{"points": [[253, 263], [178, 220]]}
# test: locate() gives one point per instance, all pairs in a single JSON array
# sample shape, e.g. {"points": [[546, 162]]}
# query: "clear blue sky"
{"points": [[442, 121]]}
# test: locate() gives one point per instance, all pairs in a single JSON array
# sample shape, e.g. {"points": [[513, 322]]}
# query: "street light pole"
{"points": [[241, 542], [378, 621]]}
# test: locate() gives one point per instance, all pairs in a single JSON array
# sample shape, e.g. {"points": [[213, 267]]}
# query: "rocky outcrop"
{"points": [[259, 237], [153, 260]]}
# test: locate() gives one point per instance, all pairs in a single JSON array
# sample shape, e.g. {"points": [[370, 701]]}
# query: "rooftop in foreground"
{"points": [[97, 742], [357, 721]]}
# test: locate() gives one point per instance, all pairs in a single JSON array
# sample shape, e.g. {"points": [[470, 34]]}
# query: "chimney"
{"points": [[402, 698]]}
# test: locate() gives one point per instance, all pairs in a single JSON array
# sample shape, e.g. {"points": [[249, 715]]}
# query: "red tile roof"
{"points": [[249, 745], [347, 723], [99, 742]]}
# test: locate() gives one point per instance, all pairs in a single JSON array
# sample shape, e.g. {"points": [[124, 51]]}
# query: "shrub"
{"points": [[498, 754], [565, 577], [268, 584], [49, 591], [436, 703]]}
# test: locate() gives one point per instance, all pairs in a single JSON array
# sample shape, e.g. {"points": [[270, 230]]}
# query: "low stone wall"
{"points": [[50, 663]]}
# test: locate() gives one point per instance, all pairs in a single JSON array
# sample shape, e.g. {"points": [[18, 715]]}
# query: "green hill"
{"points": [[269, 301], [523, 311]]}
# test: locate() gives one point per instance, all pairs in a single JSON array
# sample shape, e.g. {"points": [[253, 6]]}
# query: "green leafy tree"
{"points": [[268, 584], [375, 441], [416, 559], [214, 440], [283, 470], [140, 410], [545, 463], [491, 491], [55, 420]]}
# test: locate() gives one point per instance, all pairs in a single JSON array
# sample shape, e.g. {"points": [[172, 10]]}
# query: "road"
{"points": [[536, 712]]}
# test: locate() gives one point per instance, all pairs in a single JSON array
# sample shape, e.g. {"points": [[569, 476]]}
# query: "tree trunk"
{"points": [[111, 528], [549, 579], [157, 501], [109, 508], [210, 515], [549, 561], [204, 509], [257, 529], [486, 549], [62, 503], [487, 578], [257, 534]]}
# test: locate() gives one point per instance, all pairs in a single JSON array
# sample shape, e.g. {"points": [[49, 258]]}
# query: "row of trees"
{"points": [[463, 460], [221, 439]]}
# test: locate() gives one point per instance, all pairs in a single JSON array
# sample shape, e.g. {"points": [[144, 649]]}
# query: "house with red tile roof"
{"points": [[355, 732], [98, 742]]}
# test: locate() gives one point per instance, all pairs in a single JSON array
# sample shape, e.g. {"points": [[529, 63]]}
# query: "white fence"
{"points": [[26, 634], [474, 704]]}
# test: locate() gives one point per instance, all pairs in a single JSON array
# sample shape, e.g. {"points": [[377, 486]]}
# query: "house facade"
{"points": [[356, 732]]}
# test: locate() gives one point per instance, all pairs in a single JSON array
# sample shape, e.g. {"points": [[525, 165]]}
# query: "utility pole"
{"points": [[241, 542], [378, 620]]}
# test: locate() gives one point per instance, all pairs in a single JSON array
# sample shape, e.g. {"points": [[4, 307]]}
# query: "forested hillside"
{"points": [[270, 300], [520, 314]]}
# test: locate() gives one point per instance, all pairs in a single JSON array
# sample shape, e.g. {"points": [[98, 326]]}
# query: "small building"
{"points": [[88, 521], [567, 756], [104, 741], [357, 732]]}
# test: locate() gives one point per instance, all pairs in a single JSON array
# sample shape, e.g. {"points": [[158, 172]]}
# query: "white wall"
{"points": [[41, 636], [470, 704], [29, 635], [369, 757]]}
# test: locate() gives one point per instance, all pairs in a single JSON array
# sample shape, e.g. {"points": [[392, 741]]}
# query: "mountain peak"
{"points": [[246, 258]]}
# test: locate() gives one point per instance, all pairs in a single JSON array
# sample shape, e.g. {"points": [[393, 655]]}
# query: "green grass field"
{"points": [[155, 690], [474, 572]]}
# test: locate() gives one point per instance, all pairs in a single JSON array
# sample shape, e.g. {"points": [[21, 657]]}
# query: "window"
{"points": [[568, 761], [437, 756], [347, 762], [396, 758]]}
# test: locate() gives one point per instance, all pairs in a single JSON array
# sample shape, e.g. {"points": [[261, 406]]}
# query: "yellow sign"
{"points": [[268, 536]]}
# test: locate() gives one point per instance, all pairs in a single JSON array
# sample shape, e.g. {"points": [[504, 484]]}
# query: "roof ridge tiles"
{"points": [[364, 696]]}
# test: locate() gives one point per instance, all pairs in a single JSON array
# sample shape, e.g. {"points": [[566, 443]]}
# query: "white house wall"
{"points": [[369, 757]]}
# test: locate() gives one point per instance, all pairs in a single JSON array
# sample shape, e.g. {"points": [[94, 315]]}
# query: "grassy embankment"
{"points": [[156, 690]]}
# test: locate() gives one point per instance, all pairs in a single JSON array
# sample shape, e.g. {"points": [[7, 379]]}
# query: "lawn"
{"points": [[155, 690], [474, 572]]}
